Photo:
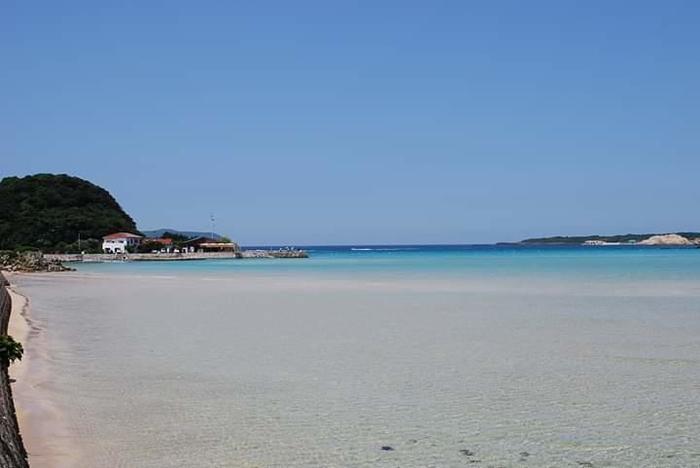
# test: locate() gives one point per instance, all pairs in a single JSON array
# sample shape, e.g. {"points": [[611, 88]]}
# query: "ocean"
{"points": [[383, 356], [454, 261]]}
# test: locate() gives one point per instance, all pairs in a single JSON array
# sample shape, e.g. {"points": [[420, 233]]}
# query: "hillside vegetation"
{"points": [[48, 212]]}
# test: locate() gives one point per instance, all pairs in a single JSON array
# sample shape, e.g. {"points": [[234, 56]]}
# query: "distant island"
{"points": [[677, 239]]}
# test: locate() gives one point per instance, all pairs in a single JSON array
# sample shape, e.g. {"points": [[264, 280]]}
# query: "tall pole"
{"points": [[79, 249], [212, 226]]}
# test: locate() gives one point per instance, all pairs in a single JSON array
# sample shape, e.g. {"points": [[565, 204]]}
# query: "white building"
{"points": [[119, 241]]}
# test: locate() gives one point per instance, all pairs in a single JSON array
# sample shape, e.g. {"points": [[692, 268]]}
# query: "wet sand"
{"points": [[46, 437]]}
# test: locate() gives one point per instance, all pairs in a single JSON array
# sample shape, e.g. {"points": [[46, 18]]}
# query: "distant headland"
{"points": [[670, 239], [47, 219]]}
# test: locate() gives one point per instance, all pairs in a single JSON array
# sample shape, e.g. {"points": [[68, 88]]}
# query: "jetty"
{"points": [[287, 252]]}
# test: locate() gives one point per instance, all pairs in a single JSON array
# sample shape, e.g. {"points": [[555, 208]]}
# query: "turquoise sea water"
{"points": [[604, 263], [497, 356]]}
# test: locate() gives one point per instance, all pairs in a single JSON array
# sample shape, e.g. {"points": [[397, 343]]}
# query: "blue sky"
{"points": [[363, 122]]}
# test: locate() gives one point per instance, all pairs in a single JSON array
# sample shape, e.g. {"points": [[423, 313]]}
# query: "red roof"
{"points": [[121, 235], [160, 240]]}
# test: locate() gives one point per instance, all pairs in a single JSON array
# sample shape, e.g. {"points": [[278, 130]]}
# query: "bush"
{"points": [[85, 245], [10, 350]]}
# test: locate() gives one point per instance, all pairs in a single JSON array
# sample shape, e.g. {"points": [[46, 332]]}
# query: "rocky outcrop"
{"points": [[29, 262], [12, 452], [288, 253], [666, 239], [277, 253]]}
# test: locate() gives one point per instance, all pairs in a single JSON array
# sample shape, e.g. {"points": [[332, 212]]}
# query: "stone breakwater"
{"points": [[276, 253], [30, 262], [12, 451]]}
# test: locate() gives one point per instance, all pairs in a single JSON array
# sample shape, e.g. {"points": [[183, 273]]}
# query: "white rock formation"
{"points": [[666, 239]]}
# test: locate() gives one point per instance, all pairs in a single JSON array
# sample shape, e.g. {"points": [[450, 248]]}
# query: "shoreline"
{"points": [[42, 424]]}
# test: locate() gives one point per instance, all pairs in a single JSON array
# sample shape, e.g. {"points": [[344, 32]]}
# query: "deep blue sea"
{"points": [[604, 262]]}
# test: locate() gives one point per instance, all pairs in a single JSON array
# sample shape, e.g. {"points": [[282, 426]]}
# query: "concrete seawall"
{"points": [[12, 451], [137, 257]]}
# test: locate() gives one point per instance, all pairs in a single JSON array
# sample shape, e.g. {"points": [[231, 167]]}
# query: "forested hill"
{"points": [[48, 212]]}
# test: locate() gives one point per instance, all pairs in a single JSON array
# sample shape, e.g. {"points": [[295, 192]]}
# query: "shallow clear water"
{"points": [[525, 357]]}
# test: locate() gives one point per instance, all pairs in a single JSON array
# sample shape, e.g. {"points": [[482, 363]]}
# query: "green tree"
{"points": [[44, 210], [174, 236], [10, 350]]}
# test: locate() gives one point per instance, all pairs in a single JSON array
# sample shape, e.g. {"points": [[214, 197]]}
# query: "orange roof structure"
{"points": [[121, 235], [160, 240]]}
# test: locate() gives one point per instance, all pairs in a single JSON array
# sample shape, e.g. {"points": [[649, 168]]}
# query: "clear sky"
{"points": [[363, 122]]}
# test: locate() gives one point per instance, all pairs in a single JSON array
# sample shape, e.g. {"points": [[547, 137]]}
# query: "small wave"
{"points": [[385, 249]]}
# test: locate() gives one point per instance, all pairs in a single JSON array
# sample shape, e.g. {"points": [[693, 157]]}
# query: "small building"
{"points": [[119, 241], [206, 244], [159, 240], [159, 244]]}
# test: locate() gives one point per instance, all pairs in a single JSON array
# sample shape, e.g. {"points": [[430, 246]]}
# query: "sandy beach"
{"points": [[42, 425]]}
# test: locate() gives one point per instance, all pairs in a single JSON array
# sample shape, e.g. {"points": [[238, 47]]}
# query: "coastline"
{"points": [[42, 424], [177, 256]]}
